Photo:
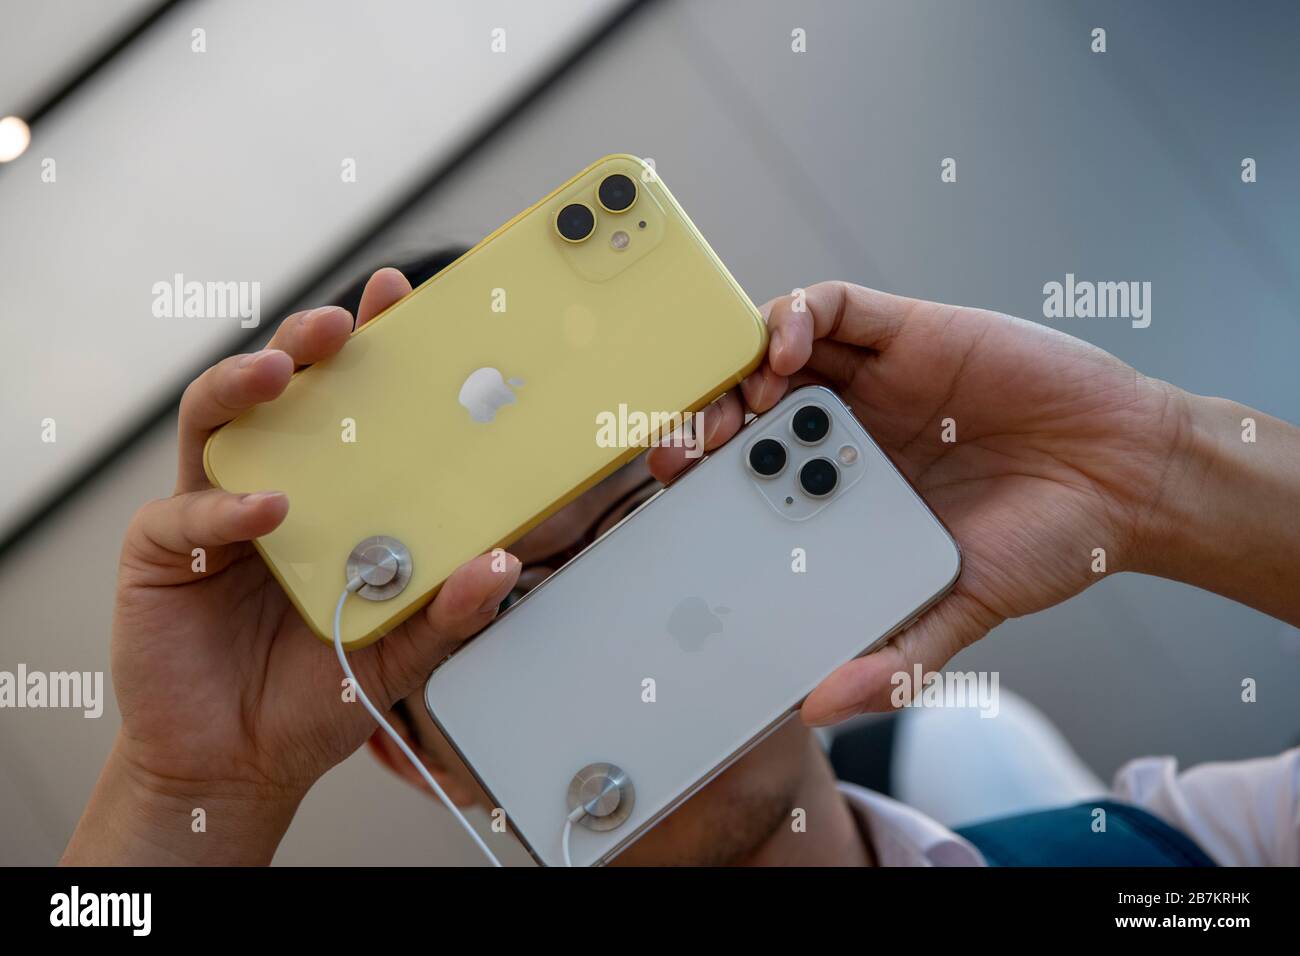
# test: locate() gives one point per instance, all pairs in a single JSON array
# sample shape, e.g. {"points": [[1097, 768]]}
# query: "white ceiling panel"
{"points": [[223, 166], [45, 42]]}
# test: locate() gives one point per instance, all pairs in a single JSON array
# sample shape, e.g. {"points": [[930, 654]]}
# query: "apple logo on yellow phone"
{"points": [[485, 391]]}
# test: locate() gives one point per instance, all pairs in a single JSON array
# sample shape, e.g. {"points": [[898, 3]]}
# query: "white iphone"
{"points": [[685, 634]]}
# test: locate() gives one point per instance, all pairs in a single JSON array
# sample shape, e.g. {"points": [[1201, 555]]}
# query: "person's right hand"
{"points": [[1060, 449]]}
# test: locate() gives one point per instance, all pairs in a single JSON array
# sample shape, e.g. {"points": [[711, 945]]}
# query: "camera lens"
{"points": [[819, 477], [616, 192], [767, 458], [810, 424], [575, 222]]}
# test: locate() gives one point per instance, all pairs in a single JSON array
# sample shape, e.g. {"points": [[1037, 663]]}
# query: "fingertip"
{"points": [[763, 389], [789, 340], [267, 372], [787, 354], [263, 511], [476, 587], [383, 289], [828, 704], [266, 358], [775, 344], [813, 717], [505, 568], [391, 277], [666, 462], [850, 689], [504, 564], [329, 325]]}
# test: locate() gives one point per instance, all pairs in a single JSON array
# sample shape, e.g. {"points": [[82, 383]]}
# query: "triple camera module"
{"points": [[577, 221], [818, 476]]}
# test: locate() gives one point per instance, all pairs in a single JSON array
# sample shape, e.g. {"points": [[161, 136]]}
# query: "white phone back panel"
{"points": [[557, 682]]}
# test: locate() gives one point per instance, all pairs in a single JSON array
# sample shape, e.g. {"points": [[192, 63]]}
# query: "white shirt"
{"points": [[1242, 813], [902, 836]]}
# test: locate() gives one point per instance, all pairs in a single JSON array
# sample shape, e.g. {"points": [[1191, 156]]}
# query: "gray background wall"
{"points": [[1123, 165]]}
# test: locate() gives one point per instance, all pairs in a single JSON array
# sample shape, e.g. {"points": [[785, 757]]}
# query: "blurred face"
{"points": [[729, 820]]}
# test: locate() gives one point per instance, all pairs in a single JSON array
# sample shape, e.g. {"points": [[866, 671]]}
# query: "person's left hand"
{"points": [[230, 704]]}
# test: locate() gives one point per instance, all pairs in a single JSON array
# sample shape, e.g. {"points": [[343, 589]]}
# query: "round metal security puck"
{"points": [[384, 564], [605, 792]]}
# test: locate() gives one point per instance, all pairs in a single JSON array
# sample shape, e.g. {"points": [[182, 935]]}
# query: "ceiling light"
{"points": [[14, 138]]}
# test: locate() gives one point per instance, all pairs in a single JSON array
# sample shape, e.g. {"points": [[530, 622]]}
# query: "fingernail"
{"points": [[712, 419], [834, 717], [778, 341], [252, 359], [315, 314], [257, 497], [494, 602], [504, 588]]}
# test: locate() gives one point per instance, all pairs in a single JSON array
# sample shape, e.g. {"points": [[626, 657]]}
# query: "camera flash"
{"points": [[848, 454], [620, 240]]}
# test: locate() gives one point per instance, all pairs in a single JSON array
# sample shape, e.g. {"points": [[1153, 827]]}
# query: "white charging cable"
{"points": [[578, 813], [355, 584]]}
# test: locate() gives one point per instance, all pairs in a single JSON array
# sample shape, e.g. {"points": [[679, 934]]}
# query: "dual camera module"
{"points": [[577, 221], [817, 476]]}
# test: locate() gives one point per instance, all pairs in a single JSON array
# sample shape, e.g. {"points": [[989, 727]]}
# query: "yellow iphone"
{"points": [[479, 404]]}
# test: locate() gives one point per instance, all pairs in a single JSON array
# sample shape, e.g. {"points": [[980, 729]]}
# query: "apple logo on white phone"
{"points": [[692, 621], [485, 391]]}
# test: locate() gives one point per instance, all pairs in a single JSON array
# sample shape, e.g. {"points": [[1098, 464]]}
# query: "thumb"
{"points": [[867, 683]]}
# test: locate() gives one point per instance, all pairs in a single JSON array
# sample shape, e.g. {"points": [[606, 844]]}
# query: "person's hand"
{"points": [[1060, 449], [230, 705]]}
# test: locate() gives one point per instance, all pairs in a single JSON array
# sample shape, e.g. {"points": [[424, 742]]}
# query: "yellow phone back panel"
{"points": [[580, 328]]}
